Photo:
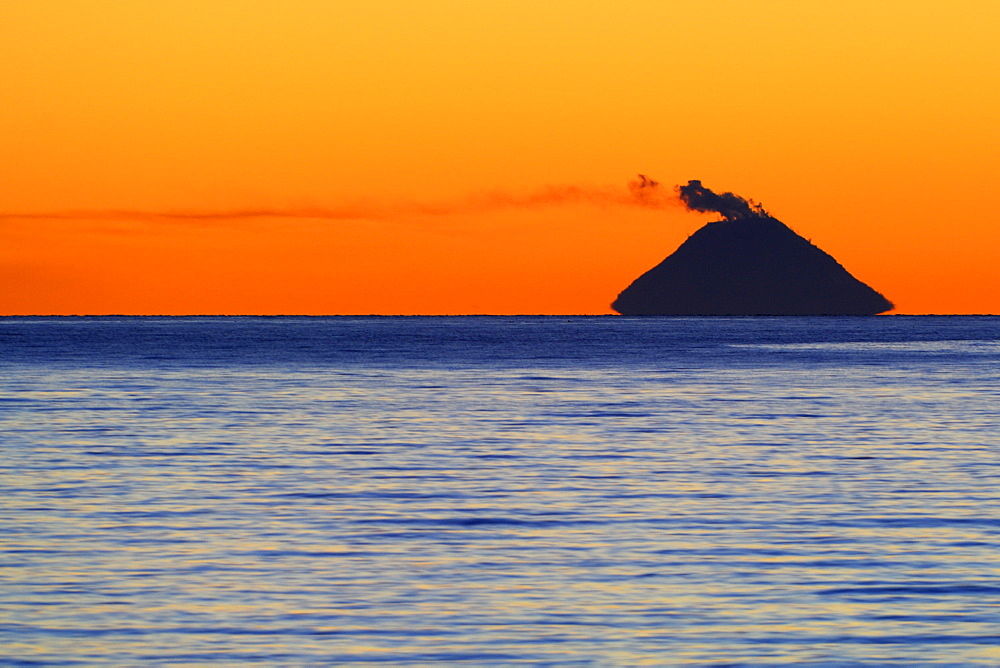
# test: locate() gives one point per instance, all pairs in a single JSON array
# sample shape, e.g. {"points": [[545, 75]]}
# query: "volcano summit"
{"points": [[749, 263]]}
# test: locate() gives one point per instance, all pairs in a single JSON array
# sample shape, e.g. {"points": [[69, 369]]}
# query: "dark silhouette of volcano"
{"points": [[747, 264]]}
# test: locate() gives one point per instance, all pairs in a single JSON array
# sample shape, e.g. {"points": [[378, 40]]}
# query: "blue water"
{"points": [[497, 491]]}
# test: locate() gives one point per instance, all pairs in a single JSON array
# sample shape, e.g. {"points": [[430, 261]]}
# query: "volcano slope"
{"points": [[750, 265]]}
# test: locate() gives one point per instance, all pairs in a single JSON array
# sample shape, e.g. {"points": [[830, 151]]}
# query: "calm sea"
{"points": [[493, 491]]}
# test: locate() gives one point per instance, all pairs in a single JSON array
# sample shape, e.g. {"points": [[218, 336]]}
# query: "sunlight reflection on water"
{"points": [[764, 507]]}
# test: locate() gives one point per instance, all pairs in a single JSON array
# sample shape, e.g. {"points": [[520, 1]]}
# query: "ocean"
{"points": [[605, 491]]}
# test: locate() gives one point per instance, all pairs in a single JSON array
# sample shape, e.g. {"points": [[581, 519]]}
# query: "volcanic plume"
{"points": [[697, 197], [748, 263]]}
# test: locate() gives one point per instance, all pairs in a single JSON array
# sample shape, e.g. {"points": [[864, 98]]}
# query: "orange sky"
{"points": [[423, 132]]}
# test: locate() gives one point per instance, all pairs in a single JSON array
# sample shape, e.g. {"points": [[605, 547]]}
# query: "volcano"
{"points": [[748, 264]]}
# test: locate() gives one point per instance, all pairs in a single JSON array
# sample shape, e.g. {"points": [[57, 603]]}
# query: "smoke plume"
{"points": [[645, 193], [697, 197]]}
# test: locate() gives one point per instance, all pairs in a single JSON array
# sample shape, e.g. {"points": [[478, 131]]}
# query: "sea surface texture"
{"points": [[494, 491]]}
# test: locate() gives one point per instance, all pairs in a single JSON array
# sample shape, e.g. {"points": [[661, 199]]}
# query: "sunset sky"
{"points": [[450, 157]]}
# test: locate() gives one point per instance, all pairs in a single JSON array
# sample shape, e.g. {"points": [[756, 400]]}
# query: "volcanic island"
{"points": [[748, 263]]}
